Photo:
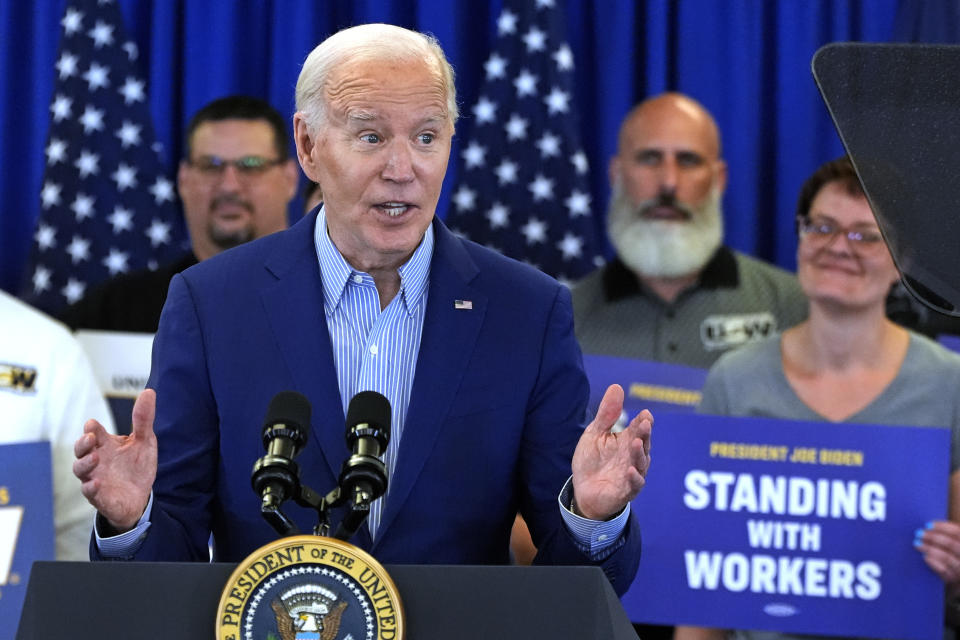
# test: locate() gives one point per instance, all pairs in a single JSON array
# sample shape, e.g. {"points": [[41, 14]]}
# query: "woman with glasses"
{"points": [[846, 362]]}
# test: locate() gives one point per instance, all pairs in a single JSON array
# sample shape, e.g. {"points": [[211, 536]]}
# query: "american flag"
{"points": [[106, 206], [523, 183]]}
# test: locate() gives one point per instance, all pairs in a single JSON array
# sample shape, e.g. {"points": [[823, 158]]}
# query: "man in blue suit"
{"points": [[475, 352]]}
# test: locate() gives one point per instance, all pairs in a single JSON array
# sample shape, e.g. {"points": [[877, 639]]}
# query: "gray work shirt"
{"points": [[737, 299]]}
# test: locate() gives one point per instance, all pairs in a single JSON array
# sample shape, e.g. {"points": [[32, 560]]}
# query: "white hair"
{"points": [[664, 248], [363, 43]]}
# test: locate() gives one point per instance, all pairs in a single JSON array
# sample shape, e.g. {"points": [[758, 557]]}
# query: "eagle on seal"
{"points": [[305, 625]]}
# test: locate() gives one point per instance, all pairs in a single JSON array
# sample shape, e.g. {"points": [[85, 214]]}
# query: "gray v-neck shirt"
{"points": [[749, 381]]}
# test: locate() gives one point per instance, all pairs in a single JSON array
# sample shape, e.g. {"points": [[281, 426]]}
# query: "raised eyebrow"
{"points": [[432, 121], [361, 116]]}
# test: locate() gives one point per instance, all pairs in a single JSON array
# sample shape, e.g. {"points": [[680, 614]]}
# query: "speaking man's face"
{"points": [[380, 154]]}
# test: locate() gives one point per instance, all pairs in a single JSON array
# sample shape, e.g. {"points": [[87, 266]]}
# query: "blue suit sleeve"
{"points": [[555, 421], [187, 431]]}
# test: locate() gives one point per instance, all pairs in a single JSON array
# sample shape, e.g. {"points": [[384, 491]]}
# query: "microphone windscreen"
{"points": [[289, 408], [369, 407]]}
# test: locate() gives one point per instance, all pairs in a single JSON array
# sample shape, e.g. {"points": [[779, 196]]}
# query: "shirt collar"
{"points": [[720, 272], [335, 271]]}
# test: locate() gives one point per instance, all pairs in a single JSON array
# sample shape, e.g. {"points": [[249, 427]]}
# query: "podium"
{"points": [[154, 601]]}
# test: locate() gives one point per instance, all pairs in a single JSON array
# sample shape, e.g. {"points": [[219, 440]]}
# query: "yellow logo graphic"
{"points": [[658, 393], [17, 378]]}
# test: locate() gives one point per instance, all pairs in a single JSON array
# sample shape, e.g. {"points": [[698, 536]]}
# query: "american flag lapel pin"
{"points": [[463, 304]]}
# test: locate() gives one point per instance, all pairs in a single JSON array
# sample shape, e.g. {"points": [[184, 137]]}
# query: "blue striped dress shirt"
{"points": [[374, 350], [377, 351]]}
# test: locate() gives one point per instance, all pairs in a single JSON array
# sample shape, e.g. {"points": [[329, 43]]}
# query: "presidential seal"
{"points": [[310, 588]]}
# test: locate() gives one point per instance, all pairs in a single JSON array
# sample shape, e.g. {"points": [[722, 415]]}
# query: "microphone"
{"points": [[276, 477], [363, 476]]}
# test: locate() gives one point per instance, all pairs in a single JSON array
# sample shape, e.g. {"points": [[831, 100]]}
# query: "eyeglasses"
{"points": [[821, 233], [247, 166]]}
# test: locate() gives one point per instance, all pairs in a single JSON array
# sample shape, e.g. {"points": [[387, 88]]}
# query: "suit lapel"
{"points": [[293, 302], [449, 335]]}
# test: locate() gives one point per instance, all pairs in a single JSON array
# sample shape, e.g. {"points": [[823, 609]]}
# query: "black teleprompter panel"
{"points": [[897, 110]]}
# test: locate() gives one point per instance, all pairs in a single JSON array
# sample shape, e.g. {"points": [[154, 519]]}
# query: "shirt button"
{"points": [[601, 537], [358, 279], [672, 347], [670, 314], [373, 349]]}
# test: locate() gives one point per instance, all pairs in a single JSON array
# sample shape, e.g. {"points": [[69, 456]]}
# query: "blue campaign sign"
{"points": [[26, 523], [656, 386], [802, 527]]}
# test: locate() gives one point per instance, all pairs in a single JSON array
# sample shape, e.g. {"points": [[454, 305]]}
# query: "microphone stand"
{"points": [[363, 476], [359, 511], [359, 505]]}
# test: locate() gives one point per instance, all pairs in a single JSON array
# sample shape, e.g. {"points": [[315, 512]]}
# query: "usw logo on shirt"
{"points": [[727, 331], [18, 378]]}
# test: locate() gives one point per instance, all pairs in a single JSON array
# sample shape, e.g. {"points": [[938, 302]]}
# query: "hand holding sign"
{"points": [[117, 472], [609, 469], [939, 543]]}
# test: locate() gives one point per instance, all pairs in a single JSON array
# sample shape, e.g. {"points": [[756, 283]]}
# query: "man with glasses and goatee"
{"points": [[235, 184]]}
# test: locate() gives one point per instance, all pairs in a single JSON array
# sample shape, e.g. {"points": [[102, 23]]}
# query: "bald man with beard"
{"points": [[675, 293]]}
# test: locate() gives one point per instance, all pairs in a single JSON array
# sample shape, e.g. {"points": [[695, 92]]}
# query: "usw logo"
{"points": [[17, 378], [726, 331]]}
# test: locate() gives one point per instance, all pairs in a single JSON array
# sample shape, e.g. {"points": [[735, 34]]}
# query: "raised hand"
{"points": [[117, 472], [609, 469]]}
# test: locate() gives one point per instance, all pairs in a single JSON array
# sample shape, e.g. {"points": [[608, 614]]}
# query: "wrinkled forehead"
{"points": [[359, 88]]}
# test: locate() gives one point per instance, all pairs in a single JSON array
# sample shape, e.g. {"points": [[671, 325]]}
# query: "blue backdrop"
{"points": [[748, 61]]}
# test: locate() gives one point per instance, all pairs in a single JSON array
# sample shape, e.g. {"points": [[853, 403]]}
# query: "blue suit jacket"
{"points": [[495, 412]]}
